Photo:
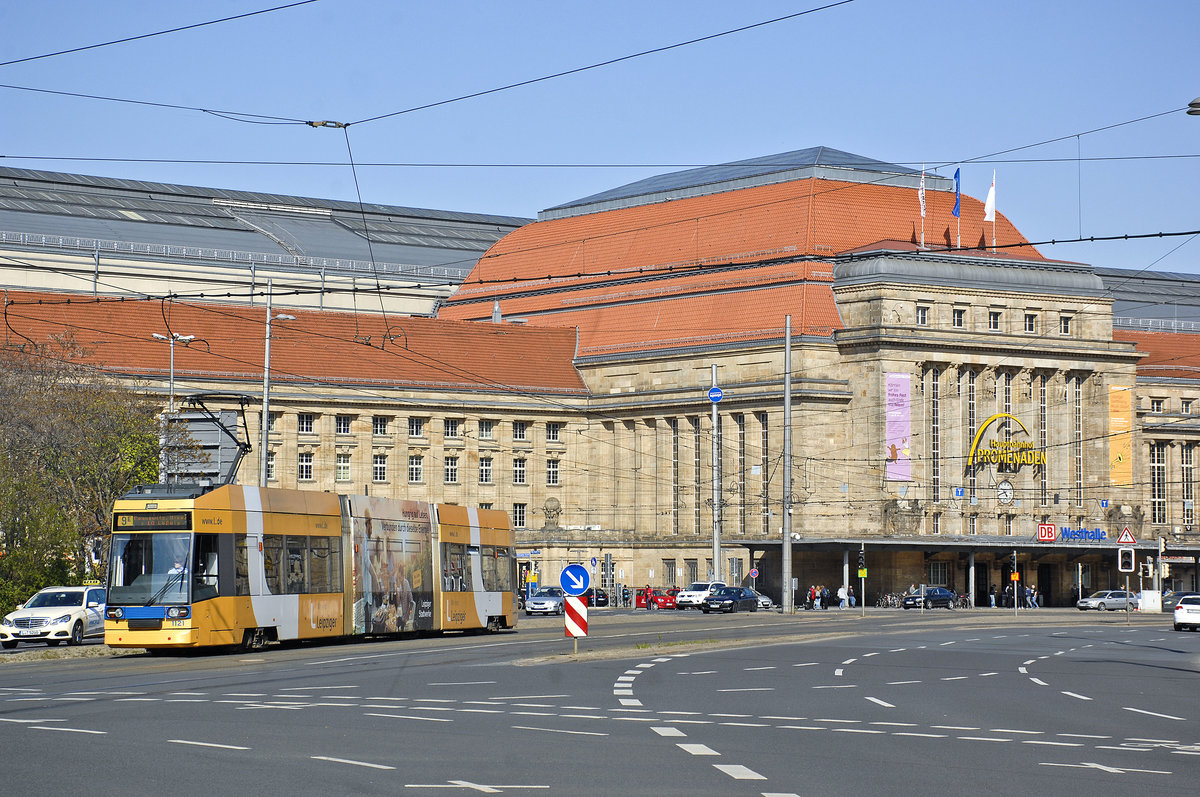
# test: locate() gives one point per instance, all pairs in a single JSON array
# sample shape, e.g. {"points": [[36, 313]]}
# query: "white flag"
{"points": [[989, 207], [921, 192]]}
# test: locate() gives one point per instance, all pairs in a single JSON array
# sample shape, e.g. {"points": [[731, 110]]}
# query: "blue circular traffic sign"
{"points": [[715, 394], [575, 580]]}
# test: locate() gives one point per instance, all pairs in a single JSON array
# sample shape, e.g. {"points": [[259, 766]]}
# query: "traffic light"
{"points": [[1146, 570], [1125, 562], [862, 559], [1162, 546]]}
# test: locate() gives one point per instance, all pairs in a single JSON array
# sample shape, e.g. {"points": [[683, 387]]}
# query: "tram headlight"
{"points": [[115, 614], [179, 612]]}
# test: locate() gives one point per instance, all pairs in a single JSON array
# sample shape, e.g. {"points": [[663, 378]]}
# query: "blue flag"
{"points": [[957, 195]]}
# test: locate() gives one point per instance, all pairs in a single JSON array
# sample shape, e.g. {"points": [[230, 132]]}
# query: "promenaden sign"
{"points": [[1014, 453]]}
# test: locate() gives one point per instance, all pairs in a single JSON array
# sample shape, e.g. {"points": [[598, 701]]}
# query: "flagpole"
{"points": [[922, 192]]}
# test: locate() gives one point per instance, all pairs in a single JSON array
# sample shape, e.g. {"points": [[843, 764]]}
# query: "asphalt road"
{"points": [[663, 703]]}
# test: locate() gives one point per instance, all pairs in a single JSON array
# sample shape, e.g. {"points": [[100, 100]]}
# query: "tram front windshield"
{"points": [[149, 569]]}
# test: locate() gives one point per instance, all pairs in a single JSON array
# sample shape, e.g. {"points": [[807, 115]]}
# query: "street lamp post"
{"points": [[175, 336], [266, 407]]}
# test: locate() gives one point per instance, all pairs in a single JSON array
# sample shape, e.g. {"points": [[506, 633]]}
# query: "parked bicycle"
{"points": [[890, 600]]}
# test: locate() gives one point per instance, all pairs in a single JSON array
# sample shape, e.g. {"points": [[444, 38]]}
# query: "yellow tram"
{"points": [[238, 565]]}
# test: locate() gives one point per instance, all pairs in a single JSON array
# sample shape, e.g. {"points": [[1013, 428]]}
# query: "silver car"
{"points": [[547, 600], [1108, 600]]}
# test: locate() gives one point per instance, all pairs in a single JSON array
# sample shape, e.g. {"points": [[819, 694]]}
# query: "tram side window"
{"points": [[456, 568], [504, 570], [297, 561], [241, 583], [324, 564], [489, 562], [206, 568], [273, 562]]}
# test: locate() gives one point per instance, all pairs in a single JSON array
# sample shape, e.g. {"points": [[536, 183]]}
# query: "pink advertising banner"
{"points": [[898, 442]]}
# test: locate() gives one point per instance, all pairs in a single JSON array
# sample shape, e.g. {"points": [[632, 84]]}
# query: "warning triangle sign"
{"points": [[1126, 538]]}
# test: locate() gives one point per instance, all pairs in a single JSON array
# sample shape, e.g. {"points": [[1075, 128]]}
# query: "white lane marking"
{"points": [[668, 731], [518, 697], [645, 664], [186, 700], [181, 694], [987, 674], [804, 727], [849, 661], [1152, 741], [745, 724], [944, 644], [66, 730], [924, 735], [837, 686], [806, 664], [350, 761], [559, 730], [625, 678], [244, 694], [137, 700], [208, 744], [955, 678], [479, 711], [825, 719], [1082, 736], [779, 794], [857, 730], [838, 672], [954, 727], [682, 713], [531, 713], [897, 650], [1053, 744], [1029, 661], [28, 722], [739, 772], [1077, 696], [1154, 713], [869, 655], [750, 689], [630, 701], [408, 717], [785, 719], [879, 702], [1039, 682], [738, 716], [697, 749], [1123, 748], [1014, 730], [626, 692], [1023, 671], [1102, 768], [590, 717], [897, 724], [899, 683], [755, 669], [983, 739]]}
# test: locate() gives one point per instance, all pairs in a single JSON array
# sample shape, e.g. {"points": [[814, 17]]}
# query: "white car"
{"points": [[764, 602], [54, 615], [693, 597], [547, 600], [1187, 613]]}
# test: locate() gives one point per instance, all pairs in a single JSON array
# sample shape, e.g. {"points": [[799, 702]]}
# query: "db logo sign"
{"points": [[1047, 532]]}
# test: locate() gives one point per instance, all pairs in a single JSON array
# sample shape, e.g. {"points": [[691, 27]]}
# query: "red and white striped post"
{"points": [[576, 619]]}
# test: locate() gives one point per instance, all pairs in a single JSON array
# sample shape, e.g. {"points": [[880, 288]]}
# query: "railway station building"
{"points": [[958, 400]]}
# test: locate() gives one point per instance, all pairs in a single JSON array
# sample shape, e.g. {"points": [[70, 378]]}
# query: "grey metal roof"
{"points": [[765, 170], [1153, 299], [51, 210], [1036, 276]]}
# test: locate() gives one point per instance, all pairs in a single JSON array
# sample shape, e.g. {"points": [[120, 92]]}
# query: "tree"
{"points": [[72, 440]]}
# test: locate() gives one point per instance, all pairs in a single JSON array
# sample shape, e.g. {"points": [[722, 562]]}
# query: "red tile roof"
{"points": [[662, 270], [1171, 354], [321, 347]]}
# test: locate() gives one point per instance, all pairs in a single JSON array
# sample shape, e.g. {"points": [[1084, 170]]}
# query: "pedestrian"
{"points": [[992, 596], [649, 598], [824, 597], [625, 596], [850, 596], [841, 594], [912, 589], [810, 601]]}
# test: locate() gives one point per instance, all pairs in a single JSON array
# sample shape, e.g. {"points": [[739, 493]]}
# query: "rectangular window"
{"points": [[272, 417], [939, 573], [379, 425], [341, 470], [518, 470], [675, 486], [994, 321], [740, 420], [451, 470], [518, 515], [416, 468], [692, 567], [487, 430], [270, 466], [972, 474], [552, 472], [485, 470], [1158, 482], [1077, 437], [1064, 325], [1187, 484], [1043, 440], [922, 316], [379, 467], [485, 504], [668, 571], [1185, 406], [1156, 405], [697, 498], [935, 434], [341, 424], [416, 427], [554, 432], [304, 466], [735, 574], [935, 523], [1030, 323], [1008, 525], [520, 430], [304, 423], [764, 467], [453, 427], [959, 318], [973, 524]]}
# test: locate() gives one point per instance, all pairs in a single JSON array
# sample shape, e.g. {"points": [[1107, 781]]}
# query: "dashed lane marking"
{"points": [[739, 772], [1154, 713], [207, 744], [559, 730], [350, 761], [409, 717], [879, 702], [668, 731], [66, 730], [1076, 695], [697, 749]]}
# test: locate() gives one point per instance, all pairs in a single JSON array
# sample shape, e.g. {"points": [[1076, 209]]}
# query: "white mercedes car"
{"points": [[693, 597], [54, 615]]}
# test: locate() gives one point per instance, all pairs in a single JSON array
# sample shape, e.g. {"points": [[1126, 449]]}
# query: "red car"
{"points": [[661, 597]]}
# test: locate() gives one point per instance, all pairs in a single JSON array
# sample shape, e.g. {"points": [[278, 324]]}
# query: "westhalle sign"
{"points": [[1011, 453]]}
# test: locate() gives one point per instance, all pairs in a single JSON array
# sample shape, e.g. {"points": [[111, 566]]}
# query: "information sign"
{"points": [[715, 394], [575, 579]]}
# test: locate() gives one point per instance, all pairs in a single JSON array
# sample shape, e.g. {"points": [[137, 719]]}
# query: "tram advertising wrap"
{"points": [[248, 565]]}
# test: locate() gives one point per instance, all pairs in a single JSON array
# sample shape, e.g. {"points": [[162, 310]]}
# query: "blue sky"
{"points": [[907, 82]]}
